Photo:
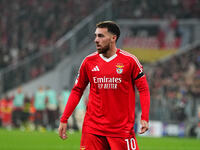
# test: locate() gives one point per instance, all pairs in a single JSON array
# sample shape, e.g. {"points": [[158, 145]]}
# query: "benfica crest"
{"points": [[119, 68]]}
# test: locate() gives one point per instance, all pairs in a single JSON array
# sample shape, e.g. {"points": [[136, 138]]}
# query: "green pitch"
{"points": [[18, 140]]}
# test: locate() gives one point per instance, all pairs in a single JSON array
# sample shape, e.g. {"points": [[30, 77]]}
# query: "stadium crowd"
{"points": [[157, 9], [175, 87], [40, 111], [28, 27]]}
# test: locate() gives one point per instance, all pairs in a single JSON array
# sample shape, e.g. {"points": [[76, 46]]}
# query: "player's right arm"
{"points": [[74, 98]]}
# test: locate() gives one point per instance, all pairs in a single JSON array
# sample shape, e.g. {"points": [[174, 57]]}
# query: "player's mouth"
{"points": [[98, 46]]}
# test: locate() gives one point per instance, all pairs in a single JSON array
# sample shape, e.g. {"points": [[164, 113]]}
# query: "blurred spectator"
{"points": [[1, 113], [40, 106], [32, 112], [63, 99], [26, 112], [18, 107], [62, 103], [6, 106], [52, 107]]}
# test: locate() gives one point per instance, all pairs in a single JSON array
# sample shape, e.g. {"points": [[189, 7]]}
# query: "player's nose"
{"points": [[96, 40]]}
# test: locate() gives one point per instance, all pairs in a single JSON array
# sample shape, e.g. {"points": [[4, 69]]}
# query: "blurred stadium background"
{"points": [[42, 43]]}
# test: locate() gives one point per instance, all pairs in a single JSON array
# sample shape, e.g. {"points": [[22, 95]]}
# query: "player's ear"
{"points": [[114, 38]]}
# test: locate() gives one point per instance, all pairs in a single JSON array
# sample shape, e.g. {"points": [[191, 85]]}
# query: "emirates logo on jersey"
{"points": [[119, 68], [107, 82]]}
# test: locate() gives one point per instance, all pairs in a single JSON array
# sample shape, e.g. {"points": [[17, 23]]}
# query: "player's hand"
{"points": [[62, 130], [144, 126]]}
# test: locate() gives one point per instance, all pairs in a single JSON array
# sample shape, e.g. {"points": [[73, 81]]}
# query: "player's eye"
{"points": [[100, 35]]}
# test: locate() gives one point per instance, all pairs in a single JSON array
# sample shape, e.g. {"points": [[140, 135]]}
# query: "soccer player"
{"points": [[40, 107], [113, 75], [52, 106], [18, 103]]}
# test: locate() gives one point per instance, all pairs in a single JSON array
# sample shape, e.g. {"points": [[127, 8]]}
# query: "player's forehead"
{"points": [[101, 31]]}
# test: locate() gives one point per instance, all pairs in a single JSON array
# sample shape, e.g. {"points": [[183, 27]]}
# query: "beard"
{"points": [[104, 49]]}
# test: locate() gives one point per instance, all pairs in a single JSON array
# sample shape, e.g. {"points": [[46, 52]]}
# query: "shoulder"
{"points": [[129, 56], [90, 57]]}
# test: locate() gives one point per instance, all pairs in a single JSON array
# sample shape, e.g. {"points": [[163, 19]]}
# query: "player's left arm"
{"points": [[140, 81], [143, 88]]}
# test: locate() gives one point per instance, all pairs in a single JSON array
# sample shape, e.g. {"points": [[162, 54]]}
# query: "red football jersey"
{"points": [[111, 105]]}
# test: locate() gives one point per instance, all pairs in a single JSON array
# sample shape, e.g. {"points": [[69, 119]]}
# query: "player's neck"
{"points": [[110, 52]]}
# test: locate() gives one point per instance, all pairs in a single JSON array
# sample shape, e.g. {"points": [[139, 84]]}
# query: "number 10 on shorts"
{"points": [[130, 143]]}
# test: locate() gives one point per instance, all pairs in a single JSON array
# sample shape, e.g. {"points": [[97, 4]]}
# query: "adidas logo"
{"points": [[96, 68]]}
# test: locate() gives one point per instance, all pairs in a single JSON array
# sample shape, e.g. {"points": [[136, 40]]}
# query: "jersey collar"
{"points": [[108, 59]]}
